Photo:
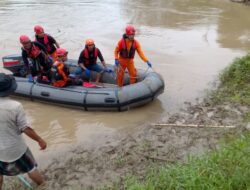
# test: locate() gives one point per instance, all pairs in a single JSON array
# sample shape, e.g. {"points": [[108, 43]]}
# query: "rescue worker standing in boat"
{"points": [[60, 72], [48, 41], [35, 51], [87, 60], [124, 55]]}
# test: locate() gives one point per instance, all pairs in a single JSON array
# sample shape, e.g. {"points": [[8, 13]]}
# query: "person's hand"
{"points": [[149, 64], [23, 72], [46, 56], [50, 60], [117, 62], [87, 72], [30, 78], [72, 75], [42, 144]]}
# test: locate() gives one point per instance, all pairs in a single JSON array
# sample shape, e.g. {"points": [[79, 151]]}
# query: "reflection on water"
{"points": [[230, 19], [60, 125], [171, 13], [188, 42]]}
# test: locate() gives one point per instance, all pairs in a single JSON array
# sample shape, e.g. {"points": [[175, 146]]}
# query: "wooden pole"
{"points": [[191, 125]]}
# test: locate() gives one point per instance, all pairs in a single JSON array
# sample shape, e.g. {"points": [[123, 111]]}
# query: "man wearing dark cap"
{"points": [[15, 156]]}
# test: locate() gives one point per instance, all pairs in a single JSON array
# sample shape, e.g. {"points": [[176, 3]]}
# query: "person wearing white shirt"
{"points": [[15, 156]]}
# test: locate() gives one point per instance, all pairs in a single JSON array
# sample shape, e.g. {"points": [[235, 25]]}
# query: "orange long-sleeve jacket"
{"points": [[60, 69], [129, 45]]}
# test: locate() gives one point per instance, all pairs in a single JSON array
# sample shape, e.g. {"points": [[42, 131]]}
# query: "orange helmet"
{"points": [[24, 38], [89, 42], [61, 52], [130, 30], [38, 29]]}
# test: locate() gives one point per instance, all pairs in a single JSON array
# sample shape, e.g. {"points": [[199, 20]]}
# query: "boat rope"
{"points": [[116, 73]]}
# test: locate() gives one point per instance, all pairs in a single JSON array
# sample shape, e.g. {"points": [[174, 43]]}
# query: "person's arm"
{"points": [[60, 71], [101, 58], [33, 135], [57, 45], [25, 59], [22, 125], [81, 61], [53, 41], [140, 52], [41, 47], [117, 50]]}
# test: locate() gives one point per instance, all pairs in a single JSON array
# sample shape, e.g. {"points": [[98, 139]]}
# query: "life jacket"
{"points": [[46, 42], [60, 74], [124, 51], [34, 52], [86, 55]]}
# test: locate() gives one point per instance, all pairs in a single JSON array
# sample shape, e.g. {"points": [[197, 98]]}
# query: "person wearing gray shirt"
{"points": [[15, 156]]}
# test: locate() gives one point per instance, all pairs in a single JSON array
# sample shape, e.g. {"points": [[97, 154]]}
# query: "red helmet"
{"points": [[24, 38], [89, 42], [61, 52], [130, 30], [38, 29]]}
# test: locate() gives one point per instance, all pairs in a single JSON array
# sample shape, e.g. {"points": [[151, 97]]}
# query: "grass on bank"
{"points": [[235, 83], [227, 168]]}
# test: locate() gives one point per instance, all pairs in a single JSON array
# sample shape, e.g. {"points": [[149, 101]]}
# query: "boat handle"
{"points": [[45, 94], [109, 100]]}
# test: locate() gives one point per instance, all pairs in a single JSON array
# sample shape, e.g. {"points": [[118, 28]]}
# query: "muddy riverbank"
{"points": [[135, 153]]}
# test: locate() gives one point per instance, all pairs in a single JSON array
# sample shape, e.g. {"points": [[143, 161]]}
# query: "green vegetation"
{"points": [[227, 168], [235, 83]]}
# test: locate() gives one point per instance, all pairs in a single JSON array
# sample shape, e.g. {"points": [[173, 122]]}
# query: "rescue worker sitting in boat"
{"points": [[39, 64], [60, 72], [87, 60], [47, 40]]}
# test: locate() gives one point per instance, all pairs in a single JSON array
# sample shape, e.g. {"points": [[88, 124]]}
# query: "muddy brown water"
{"points": [[188, 43]]}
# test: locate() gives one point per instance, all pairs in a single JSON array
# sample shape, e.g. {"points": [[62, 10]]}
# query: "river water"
{"points": [[188, 42]]}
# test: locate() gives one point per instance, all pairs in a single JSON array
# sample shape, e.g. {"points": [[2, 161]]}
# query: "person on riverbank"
{"points": [[15, 156], [39, 64], [47, 40], [88, 60], [124, 55]]}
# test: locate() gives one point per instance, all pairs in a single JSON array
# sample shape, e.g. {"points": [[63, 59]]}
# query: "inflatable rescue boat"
{"points": [[105, 97]]}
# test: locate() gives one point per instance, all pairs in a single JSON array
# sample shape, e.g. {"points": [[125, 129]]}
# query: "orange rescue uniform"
{"points": [[62, 70], [127, 62], [54, 56]]}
